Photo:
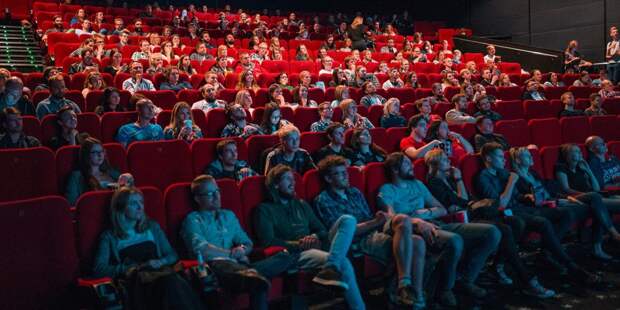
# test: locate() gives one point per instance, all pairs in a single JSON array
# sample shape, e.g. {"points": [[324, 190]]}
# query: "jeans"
{"points": [[340, 236], [599, 209], [476, 241], [229, 278], [613, 72]]}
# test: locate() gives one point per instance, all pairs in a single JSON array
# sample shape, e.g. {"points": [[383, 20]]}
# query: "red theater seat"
{"points": [[607, 127], [189, 95], [27, 173], [275, 66], [31, 126], [165, 99], [405, 95], [394, 135], [160, 163], [303, 117], [510, 109], [216, 121], [256, 145], [374, 177], [313, 141], [470, 165], [509, 93], [112, 121], [545, 132], [540, 109], [204, 152], [575, 129], [515, 131], [39, 262]]}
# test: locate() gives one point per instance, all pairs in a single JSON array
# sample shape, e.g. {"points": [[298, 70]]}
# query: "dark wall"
{"points": [[548, 23]]}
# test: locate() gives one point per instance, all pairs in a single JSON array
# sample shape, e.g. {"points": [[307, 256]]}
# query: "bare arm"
{"points": [[414, 153], [506, 195]]}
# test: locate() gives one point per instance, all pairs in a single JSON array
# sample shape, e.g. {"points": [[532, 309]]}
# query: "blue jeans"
{"points": [[340, 236], [613, 72], [474, 241]]}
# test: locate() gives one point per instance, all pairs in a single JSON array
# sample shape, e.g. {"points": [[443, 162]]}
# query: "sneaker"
{"points": [[502, 277], [537, 290], [447, 299], [253, 281], [330, 277], [472, 290], [403, 296]]}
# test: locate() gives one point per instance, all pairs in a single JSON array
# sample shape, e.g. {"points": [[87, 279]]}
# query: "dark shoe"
{"points": [[537, 290], [330, 277], [403, 296], [447, 299], [472, 290], [253, 281], [548, 259]]}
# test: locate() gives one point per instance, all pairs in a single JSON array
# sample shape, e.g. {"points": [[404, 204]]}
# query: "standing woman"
{"points": [[356, 33], [612, 55], [573, 62], [136, 249]]}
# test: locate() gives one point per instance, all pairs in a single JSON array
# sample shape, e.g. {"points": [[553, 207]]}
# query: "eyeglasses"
{"points": [[209, 194]]}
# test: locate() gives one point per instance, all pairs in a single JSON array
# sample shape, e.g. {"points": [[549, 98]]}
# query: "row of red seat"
{"points": [[50, 170]]}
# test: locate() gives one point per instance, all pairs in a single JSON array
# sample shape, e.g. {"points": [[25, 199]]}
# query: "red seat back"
{"points": [[165, 99], [470, 165], [256, 145], [112, 121], [394, 135], [27, 173], [303, 117], [510, 109], [509, 93], [545, 132], [607, 127], [515, 131], [374, 177], [575, 129], [204, 152], [160, 163], [313, 141], [216, 120]]}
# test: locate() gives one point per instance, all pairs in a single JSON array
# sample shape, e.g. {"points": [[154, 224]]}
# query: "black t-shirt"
{"points": [[578, 180], [446, 193]]}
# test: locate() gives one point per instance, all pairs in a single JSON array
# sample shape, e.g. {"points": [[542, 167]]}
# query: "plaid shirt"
{"points": [[301, 161], [320, 126], [330, 206]]}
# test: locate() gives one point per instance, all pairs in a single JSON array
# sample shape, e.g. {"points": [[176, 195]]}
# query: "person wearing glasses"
{"points": [[136, 82]]}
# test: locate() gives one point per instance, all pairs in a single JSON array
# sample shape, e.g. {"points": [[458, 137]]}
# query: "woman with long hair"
{"points": [[350, 117], [110, 102], [391, 114], [135, 247], [182, 124], [185, 65], [94, 172], [93, 81], [167, 52], [300, 98], [365, 150], [272, 119], [247, 81]]}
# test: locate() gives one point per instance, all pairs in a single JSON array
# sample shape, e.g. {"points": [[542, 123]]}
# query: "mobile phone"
{"points": [[188, 123]]}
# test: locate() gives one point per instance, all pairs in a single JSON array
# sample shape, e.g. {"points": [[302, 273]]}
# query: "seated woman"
{"points": [[553, 81], [595, 108], [350, 117], [185, 65], [577, 179], [237, 124], [93, 81], [302, 53], [391, 114], [142, 129], [607, 90], [272, 121], [134, 244], [227, 164], [414, 145], [340, 93], [300, 98], [446, 184], [283, 81], [371, 98], [325, 112], [411, 80], [275, 95], [247, 81], [484, 108], [504, 81], [364, 150], [606, 167], [110, 102], [172, 80], [66, 119], [424, 107], [452, 143], [182, 124], [116, 65], [244, 99], [327, 66], [339, 78], [94, 171]]}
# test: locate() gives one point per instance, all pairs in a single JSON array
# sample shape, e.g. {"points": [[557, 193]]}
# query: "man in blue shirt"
{"points": [[56, 100], [215, 234], [136, 82], [142, 129]]}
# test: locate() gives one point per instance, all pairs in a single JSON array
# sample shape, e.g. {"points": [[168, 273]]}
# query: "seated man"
{"points": [[210, 101], [485, 108], [568, 101], [215, 234], [201, 54], [172, 81], [13, 96], [67, 134], [12, 125], [289, 222], [406, 195], [336, 146], [531, 91], [238, 125], [495, 182], [595, 108], [438, 95], [142, 129], [86, 63], [372, 235], [56, 100], [458, 115], [606, 167], [289, 153], [136, 82], [326, 112], [371, 98], [485, 134], [227, 164]]}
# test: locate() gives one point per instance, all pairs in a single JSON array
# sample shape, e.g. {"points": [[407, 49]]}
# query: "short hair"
{"points": [[456, 98], [393, 162], [219, 147], [327, 163], [565, 95], [275, 173], [489, 148], [62, 110], [431, 160], [515, 152], [413, 122], [479, 99], [593, 96], [286, 131], [332, 127], [142, 102], [198, 181], [56, 77], [481, 119], [13, 82]]}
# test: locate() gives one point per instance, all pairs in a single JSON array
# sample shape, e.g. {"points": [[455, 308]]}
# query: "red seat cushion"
{"points": [[160, 163]]}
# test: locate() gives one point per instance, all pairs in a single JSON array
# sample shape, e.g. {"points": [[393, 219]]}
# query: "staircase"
{"points": [[19, 50]]}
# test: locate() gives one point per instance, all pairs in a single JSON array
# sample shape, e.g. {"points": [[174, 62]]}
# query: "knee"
{"points": [[402, 224], [419, 245], [347, 222], [494, 235], [455, 244]]}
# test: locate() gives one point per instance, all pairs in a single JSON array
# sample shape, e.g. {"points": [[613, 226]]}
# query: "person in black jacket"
{"points": [[446, 184], [356, 34]]}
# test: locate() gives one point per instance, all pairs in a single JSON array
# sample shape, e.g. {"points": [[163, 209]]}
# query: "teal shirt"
{"points": [[76, 186], [131, 133]]}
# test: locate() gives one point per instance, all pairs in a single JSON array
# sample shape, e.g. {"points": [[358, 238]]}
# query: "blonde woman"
{"points": [[391, 114], [93, 81], [350, 117], [182, 124], [247, 81], [356, 33]]}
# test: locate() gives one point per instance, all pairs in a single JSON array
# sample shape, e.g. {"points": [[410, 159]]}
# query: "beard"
{"points": [[407, 176]]}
